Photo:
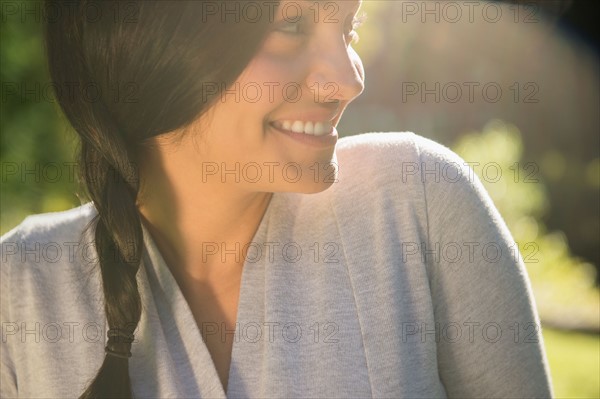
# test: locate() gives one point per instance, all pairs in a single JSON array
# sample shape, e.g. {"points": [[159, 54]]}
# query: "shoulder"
{"points": [[392, 147], [395, 146], [50, 291], [406, 176], [397, 158], [411, 174], [383, 183], [45, 255], [48, 228], [383, 147]]}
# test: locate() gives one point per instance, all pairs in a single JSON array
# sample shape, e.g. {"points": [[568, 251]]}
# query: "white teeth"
{"points": [[310, 128], [320, 129], [298, 127]]}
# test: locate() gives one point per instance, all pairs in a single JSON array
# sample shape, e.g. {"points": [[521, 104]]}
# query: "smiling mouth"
{"points": [[308, 128]]}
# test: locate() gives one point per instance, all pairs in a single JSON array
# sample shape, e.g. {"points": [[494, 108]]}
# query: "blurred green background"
{"points": [[543, 132]]}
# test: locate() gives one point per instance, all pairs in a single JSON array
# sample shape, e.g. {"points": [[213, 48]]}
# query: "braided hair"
{"points": [[125, 72]]}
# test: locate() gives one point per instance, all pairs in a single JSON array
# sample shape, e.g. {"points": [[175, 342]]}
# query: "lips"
{"points": [[311, 128]]}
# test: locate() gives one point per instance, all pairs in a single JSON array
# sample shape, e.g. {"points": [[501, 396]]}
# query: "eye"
{"points": [[295, 28], [288, 36]]}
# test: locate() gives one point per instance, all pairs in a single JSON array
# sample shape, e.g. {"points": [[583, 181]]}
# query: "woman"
{"points": [[233, 246]]}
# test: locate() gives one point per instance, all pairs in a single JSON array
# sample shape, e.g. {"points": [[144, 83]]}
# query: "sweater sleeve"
{"points": [[8, 386], [488, 332]]}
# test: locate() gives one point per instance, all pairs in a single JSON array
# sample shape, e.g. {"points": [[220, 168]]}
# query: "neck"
{"points": [[199, 228]]}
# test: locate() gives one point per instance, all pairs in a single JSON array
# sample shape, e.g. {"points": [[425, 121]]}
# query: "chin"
{"points": [[313, 188], [310, 175], [317, 176]]}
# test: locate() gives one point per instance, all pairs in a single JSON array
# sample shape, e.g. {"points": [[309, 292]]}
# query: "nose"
{"points": [[336, 72]]}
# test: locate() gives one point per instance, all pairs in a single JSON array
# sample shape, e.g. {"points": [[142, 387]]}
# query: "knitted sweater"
{"points": [[400, 280]]}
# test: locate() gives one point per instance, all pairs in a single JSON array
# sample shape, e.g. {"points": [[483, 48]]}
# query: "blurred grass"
{"points": [[574, 363]]}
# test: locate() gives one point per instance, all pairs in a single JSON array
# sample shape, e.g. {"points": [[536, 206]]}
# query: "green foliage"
{"points": [[36, 147]]}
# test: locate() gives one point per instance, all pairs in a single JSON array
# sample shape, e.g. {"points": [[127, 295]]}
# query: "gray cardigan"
{"points": [[401, 280]]}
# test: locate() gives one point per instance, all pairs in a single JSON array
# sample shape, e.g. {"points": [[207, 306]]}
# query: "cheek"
{"points": [[271, 81]]}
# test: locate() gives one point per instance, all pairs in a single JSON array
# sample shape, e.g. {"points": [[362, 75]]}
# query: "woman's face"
{"points": [[274, 129]]}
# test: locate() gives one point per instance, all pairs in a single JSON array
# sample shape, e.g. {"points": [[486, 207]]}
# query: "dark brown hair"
{"points": [[134, 70]]}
